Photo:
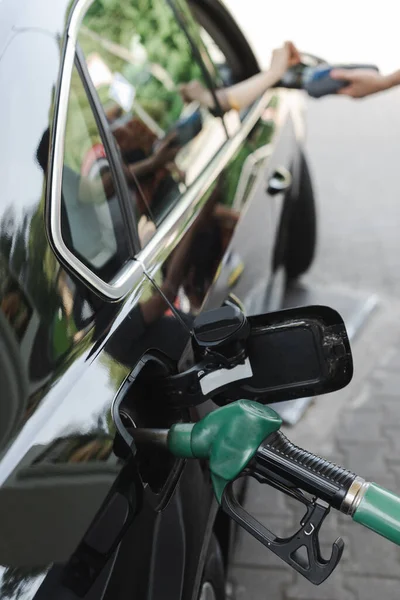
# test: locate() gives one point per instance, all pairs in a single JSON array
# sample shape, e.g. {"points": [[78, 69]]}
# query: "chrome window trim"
{"points": [[175, 225], [78, 12], [173, 228], [123, 282]]}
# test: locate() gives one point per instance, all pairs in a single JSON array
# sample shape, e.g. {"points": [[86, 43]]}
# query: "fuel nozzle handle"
{"points": [[367, 503], [244, 438], [278, 458]]}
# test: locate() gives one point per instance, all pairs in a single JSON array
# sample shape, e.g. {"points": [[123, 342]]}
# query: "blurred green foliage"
{"points": [[81, 132], [141, 40], [148, 25]]}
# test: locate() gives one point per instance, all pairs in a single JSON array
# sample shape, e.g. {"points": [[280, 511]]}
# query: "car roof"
{"points": [[49, 16], [31, 33]]}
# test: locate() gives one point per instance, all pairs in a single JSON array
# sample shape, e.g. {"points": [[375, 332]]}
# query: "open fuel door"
{"points": [[273, 357]]}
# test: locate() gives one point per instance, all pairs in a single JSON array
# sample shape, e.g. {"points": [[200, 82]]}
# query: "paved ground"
{"points": [[357, 428], [354, 150]]}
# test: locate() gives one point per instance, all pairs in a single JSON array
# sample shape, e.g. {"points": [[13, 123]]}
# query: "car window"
{"points": [[224, 54], [138, 57], [185, 16], [217, 65], [91, 218]]}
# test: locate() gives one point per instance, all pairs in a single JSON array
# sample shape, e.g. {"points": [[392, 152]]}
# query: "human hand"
{"points": [[194, 91], [283, 58], [362, 82], [146, 230]]}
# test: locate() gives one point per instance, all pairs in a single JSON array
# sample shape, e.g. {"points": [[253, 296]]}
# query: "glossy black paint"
{"points": [[76, 519]]}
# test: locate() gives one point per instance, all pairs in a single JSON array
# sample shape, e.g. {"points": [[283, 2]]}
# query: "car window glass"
{"points": [[91, 221], [219, 70], [195, 31], [138, 57], [223, 56]]}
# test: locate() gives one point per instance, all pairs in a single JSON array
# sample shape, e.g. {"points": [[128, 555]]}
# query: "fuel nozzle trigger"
{"points": [[302, 549], [230, 438], [235, 439]]}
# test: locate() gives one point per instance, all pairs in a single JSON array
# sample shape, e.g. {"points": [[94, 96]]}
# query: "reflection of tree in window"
{"points": [[138, 56], [153, 55]]}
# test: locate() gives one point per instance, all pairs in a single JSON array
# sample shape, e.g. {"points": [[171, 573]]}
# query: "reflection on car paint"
{"points": [[58, 468]]}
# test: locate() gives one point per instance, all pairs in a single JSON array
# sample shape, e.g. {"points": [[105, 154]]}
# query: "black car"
{"points": [[124, 213]]}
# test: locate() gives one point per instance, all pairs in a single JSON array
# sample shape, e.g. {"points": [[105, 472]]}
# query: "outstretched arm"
{"points": [[243, 94], [364, 83]]}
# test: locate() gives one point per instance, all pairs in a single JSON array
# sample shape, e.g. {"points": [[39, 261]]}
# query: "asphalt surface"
{"points": [[353, 149]]}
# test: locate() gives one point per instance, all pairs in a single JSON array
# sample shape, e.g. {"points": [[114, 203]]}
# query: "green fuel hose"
{"points": [[245, 435], [379, 510]]}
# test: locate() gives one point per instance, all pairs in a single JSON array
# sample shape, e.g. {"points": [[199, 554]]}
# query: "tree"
{"points": [[150, 25]]}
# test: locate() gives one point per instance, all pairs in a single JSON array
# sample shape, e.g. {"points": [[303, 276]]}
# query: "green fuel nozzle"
{"points": [[227, 437], [245, 437]]}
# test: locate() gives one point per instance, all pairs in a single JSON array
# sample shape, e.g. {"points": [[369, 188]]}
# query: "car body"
{"points": [[111, 241]]}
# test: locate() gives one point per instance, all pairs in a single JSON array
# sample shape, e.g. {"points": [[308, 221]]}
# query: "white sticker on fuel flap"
{"points": [[216, 379]]}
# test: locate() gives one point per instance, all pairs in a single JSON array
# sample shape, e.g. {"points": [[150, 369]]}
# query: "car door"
{"points": [[80, 511], [135, 245], [260, 176], [255, 187]]}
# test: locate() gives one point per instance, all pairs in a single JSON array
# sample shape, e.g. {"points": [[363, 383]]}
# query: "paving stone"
{"points": [[332, 589], [262, 499], [394, 469], [390, 385], [371, 588], [393, 435], [371, 554], [382, 399], [370, 461], [366, 440], [361, 427], [250, 552], [390, 412], [259, 584], [391, 359]]}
